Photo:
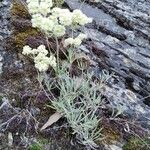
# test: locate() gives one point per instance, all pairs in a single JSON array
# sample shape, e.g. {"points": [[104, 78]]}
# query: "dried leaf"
{"points": [[53, 118]]}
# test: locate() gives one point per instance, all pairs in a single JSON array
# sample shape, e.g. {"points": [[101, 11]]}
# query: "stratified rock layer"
{"points": [[119, 41]]}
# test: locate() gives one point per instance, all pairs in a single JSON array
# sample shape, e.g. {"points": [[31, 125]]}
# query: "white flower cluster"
{"points": [[54, 21], [43, 7], [41, 60], [75, 41], [79, 18]]}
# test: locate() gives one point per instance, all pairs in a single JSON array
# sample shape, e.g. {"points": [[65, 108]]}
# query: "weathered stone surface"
{"points": [[120, 43], [4, 31]]}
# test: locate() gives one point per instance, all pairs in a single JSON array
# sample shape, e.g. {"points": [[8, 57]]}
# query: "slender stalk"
{"points": [[57, 53], [47, 43], [42, 87]]}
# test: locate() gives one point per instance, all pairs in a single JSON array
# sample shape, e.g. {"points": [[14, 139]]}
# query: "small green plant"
{"points": [[137, 144], [35, 146]]}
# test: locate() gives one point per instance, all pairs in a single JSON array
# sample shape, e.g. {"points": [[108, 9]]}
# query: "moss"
{"points": [[137, 144], [20, 39], [21, 26], [58, 2], [35, 146], [19, 10], [111, 134], [43, 141]]}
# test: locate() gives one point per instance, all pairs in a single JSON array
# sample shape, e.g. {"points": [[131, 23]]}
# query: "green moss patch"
{"points": [[137, 144], [19, 9]]}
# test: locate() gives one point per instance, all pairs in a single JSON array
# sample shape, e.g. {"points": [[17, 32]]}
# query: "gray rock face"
{"points": [[4, 31], [120, 43]]}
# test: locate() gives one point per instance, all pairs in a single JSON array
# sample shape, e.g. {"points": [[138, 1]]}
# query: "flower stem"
{"points": [[57, 53]]}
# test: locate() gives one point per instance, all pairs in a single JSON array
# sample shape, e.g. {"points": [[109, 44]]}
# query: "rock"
{"points": [[4, 32], [120, 43], [1, 64]]}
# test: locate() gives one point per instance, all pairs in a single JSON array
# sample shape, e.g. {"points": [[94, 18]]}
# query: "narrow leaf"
{"points": [[53, 118]]}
